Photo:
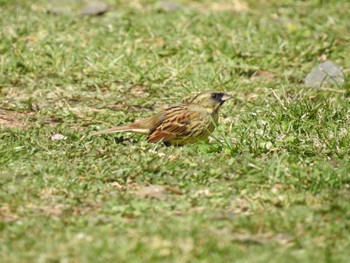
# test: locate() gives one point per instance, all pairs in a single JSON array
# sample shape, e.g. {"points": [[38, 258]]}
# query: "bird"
{"points": [[178, 125]]}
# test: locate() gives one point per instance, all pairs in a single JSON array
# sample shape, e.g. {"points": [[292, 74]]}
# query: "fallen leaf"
{"points": [[153, 192], [264, 74], [6, 215], [282, 239], [139, 91], [234, 5], [58, 137], [276, 188], [203, 193], [174, 190]]}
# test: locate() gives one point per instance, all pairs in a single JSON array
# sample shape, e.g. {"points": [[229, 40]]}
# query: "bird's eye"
{"points": [[216, 96]]}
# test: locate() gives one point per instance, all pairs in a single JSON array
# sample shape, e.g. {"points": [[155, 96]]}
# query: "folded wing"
{"points": [[179, 123]]}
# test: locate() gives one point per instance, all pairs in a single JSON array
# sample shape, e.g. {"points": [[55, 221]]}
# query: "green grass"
{"points": [[273, 184]]}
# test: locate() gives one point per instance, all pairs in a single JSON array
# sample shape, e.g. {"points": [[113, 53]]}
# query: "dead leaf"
{"points": [[118, 186], [264, 74], [233, 5], [164, 246], [58, 137], [240, 206], [186, 245], [174, 190], [138, 108], [282, 239], [324, 57], [54, 210], [139, 91], [153, 192], [203, 193], [6, 214], [276, 188], [252, 96]]}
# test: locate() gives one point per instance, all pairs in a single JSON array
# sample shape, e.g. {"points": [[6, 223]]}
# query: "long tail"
{"points": [[127, 128]]}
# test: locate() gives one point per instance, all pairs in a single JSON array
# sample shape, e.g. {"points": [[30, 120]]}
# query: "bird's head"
{"points": [[210, 100]]}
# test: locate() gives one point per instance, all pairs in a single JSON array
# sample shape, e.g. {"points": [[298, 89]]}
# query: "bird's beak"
{"points": [[226, 97]]}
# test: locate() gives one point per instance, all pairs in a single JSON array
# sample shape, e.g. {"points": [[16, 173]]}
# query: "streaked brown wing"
{"points": [[179, 122]]}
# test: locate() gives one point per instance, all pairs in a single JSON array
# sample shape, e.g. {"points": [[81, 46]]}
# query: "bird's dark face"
{"points": [[211, 100], [220, 97]]}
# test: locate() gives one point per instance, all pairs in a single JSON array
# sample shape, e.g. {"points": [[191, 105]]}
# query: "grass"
{"points": [[273, 184]]}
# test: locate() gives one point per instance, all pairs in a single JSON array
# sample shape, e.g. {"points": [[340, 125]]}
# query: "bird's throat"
{"points": [[209, 110]]}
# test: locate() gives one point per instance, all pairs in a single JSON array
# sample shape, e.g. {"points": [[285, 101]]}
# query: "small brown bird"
{"points": [[182, 124]]}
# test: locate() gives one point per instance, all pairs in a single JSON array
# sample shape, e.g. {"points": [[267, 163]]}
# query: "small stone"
{"points": [[59, 11], [168, 6], [95, 8], [58, 137], [326, 73]]}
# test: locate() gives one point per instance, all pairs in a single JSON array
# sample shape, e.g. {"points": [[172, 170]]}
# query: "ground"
{"points": [[272, 185]]}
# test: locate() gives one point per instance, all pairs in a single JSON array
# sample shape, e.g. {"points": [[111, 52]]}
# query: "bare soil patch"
{"points": [[11, 119]]}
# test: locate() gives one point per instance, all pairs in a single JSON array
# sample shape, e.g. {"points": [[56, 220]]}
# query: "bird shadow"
{"points": [[123, 140]]}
